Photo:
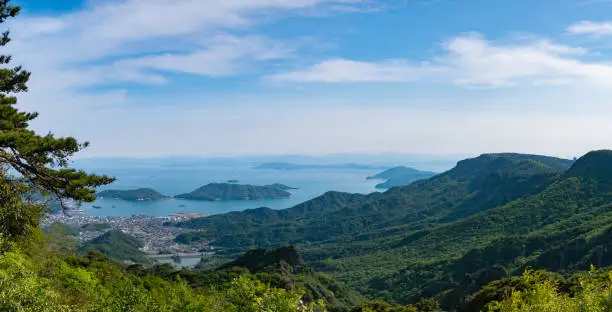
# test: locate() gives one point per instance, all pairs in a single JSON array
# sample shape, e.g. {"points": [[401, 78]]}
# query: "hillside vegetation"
{"points": [[117, 246], [473, 186], [282, 268], [489, 217]]}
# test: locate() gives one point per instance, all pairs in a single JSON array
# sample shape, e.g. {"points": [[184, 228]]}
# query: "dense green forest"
{"points": [[117, 246], [490, 217], [282, 268]]}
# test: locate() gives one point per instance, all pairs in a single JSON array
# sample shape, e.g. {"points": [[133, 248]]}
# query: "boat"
{"points": [[182, 205], [96, 207]]}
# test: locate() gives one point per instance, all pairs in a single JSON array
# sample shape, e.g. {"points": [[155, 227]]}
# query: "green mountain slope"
{"points": [[117, 246], [337, 216], [565, 226], [421, 239], [283, 268], [254, 227]]}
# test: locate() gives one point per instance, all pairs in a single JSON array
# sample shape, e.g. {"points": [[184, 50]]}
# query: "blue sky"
{"points": [[236, 77]]}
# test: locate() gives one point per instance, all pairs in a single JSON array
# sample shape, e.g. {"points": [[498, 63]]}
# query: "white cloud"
{"points": [[124, 40], [136, 19], [142, 41], [469, 60], [42, 26], [110, 42], [591, 28], [342, 70], [224, 55]]}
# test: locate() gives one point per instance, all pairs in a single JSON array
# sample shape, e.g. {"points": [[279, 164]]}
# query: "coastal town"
{"points": [[157, 238]]}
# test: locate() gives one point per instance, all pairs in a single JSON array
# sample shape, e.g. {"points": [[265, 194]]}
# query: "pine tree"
{"points": [[30, 162]]}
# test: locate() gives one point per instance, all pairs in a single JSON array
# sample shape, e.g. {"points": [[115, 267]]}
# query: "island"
{"points": [[398, 176], [227, 191], [141, 194], [281, 186], [233, 181], [290, 166]]}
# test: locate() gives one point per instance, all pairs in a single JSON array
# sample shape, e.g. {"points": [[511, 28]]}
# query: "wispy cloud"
{"points": [[469, 60], [138, 40], [219, 56], [343, 70], [85, 63], [591, 28]]}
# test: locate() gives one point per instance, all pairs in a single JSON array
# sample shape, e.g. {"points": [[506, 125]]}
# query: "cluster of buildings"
{"points": [[151, 231]]}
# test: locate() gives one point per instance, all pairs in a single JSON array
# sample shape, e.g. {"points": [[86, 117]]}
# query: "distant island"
{"points": [[399, 176], [141, 194], [281, 186], [233, 181], [290, 166], [227, 191]]}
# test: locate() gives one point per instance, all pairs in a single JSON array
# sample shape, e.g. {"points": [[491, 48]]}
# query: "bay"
{"points": [[177, 180]]}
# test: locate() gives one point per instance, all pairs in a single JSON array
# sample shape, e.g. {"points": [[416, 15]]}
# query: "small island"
{"points": [[399, 176], [227, 191], [233, 181], [141, 194]]}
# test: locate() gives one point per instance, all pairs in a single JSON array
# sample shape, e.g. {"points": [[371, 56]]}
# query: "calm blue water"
{"points": [[185, 261], [177, 180]]}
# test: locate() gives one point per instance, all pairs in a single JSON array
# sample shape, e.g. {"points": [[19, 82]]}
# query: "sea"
{"points": [[170, 181]]}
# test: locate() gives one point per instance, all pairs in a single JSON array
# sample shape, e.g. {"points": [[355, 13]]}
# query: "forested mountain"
{"points": [[445, 237], [571, 213], [398, 176], [117, 246], [283, 268], [472, 186]]}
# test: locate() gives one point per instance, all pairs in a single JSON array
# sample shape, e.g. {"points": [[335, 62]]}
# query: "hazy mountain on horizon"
{"points": [[424, 162]]}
